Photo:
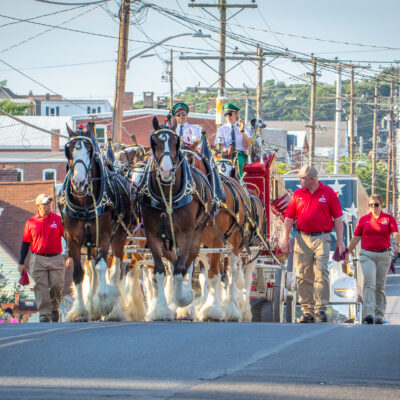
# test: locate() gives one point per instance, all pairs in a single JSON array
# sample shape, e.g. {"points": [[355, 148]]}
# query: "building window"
{"points": [[47, 110], [57, 111], [101, 134], [99, 109], [52, 112], [88, 110], [20, 175], [50, 175]]}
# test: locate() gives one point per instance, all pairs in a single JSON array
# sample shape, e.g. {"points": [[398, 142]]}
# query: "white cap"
{"points": [[43, 199]]}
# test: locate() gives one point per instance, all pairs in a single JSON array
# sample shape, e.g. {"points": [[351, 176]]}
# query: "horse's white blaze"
{"points": [[212, 307], [78, 310], [80, 173], [166, 165], [106, 295], [161, 312], [183, 293], [224, 167], [231, 307]]}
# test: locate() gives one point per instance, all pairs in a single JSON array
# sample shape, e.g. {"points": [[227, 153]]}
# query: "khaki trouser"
{"points": [[374, 267], [48, 274], [311, 255]]}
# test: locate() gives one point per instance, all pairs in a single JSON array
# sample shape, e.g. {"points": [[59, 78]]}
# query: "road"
{"points": [[180, 360], [183, 360]]}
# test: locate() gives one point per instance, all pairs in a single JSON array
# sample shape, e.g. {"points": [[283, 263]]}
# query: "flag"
{"points": [[280, 205]]}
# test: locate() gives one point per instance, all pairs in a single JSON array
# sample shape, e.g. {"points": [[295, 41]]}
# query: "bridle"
{"points": [[163, 136], [76, 143]]}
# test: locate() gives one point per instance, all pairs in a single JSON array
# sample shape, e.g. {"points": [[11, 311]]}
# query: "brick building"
{"points": [[139, 123]]}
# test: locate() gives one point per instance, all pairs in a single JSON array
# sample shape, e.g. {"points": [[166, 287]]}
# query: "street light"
{"points": [[198, 34]]}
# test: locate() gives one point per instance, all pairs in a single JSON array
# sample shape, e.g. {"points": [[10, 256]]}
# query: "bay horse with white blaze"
{"points": [[175, 204], [97, 207]]}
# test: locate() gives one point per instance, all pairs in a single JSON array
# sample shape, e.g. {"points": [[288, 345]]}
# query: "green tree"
{"points": [[363, 169], [14, 108]]}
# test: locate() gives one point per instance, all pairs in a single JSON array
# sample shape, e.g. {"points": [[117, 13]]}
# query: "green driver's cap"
{"points": [[179, 106], [229, 107]]}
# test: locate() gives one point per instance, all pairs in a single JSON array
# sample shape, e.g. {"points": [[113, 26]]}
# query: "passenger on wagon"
{"points": [[234, 136]]}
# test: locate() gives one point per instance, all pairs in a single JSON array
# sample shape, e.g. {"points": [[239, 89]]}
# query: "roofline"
{"points": [[144, 111]]}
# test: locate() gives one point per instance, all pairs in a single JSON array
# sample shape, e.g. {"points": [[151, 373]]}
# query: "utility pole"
{"points": [[259, 82], [338, 119], [352, 119], [120, 79], [375, 127], [171, 80], [312, 112], [222, 48], [389, 149], [393, 147], [222, 6]]}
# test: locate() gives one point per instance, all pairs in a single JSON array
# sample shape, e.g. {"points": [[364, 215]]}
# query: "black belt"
{"points": [[315, 233], [47, 255], [379, 251]]}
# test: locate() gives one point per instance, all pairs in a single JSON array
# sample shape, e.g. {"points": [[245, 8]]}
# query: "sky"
{"points": [[79, 62]]}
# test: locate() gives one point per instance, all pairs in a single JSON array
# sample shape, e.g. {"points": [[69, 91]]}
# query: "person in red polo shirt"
{"points": [[317, 210], [374, 230], [43, 233]]}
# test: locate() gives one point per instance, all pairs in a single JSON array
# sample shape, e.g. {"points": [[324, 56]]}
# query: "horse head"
{"points": [[165, 144], [132, 161], [224, 166], [79, 152]]}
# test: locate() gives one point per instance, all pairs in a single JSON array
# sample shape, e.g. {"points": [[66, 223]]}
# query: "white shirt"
{"points": [[224, 136], [190, 134]]}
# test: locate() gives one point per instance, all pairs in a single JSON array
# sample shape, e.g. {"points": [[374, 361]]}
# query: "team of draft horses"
{"points": [[178, 202]]}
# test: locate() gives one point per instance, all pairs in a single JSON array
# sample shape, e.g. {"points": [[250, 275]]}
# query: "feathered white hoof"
{"points": [[185, 313], [161, 314], [116, 314], [183, 293], [77, 314], [94, 314], [232, 311], [211, 313], [104, 301]]}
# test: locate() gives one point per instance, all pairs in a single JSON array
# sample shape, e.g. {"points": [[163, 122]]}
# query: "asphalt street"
{"points": [[183, 360]]}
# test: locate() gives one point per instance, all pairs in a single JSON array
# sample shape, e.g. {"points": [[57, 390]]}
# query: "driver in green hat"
{"points": [[190, 134], [234, 135]]}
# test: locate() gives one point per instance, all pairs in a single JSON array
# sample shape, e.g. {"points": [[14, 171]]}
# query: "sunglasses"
{"points": [[373, 205], [181, 114], [230, 113]]}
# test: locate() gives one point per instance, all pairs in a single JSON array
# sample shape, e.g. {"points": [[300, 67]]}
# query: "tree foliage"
{"points": [[363, 169], [14, 108], [292, 102]]}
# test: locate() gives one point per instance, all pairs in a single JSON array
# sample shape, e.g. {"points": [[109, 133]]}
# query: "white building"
{"points": [[74, 107]]}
